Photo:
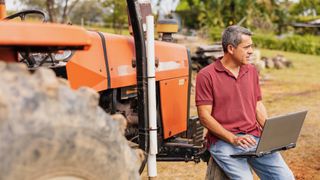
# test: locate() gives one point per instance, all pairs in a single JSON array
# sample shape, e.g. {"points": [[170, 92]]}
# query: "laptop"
{"points": [[279, 133]]}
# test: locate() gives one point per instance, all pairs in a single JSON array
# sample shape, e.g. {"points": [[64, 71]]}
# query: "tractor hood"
{"points": [[43, 36]]}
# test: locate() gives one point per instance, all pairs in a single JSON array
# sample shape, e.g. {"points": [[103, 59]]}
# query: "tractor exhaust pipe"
{"points": [[145, 81], [3, 12], [141, 70]]}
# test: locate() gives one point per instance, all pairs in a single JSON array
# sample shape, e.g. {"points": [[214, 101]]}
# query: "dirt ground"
{"points": [[284, 91]]}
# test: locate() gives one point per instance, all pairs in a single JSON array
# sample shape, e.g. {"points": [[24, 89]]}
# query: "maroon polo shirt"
{"points": [[233, 99]]}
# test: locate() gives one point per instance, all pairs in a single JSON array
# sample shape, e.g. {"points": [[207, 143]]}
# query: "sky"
{"points": [[12, 5]]}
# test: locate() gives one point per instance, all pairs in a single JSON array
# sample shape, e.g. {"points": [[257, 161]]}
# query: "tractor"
{"points": [[114, 66]]}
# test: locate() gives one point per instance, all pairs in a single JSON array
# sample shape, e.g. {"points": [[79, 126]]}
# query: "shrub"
{"points": [[302, 44], [216, 33], [306, 44]]}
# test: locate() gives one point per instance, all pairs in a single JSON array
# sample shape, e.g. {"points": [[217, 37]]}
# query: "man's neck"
{"points": [[231, 65]]}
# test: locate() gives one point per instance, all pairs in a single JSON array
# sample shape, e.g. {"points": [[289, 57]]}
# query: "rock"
{"points": [[269, 62]]}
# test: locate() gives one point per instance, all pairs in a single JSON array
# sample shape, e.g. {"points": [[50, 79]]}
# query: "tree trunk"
{"points": [[51, 11], [214, 172], [66, 10], [64, 14]]}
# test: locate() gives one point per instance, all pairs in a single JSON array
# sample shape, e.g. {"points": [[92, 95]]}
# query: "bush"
{"points": [[216, 33], [306, 44], [304, 19], [295, 43]]}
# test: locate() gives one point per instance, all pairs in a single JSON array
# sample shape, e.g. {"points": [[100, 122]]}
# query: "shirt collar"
{"points": [[219, 67]]}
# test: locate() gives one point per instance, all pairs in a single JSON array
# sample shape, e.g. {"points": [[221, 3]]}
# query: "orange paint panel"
{"points": [[3, 13], [130, 80], [171, 74], [42, 34], [124, 81], [88, 68], [120, 51], [174, 97], [173, 60], [171, 52], [80, 76]]}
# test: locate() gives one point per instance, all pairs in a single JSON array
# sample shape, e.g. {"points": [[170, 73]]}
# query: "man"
{"points": [[229, 105]]}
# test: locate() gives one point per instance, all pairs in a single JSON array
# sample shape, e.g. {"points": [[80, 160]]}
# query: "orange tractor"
{"points": [[115, 67]]}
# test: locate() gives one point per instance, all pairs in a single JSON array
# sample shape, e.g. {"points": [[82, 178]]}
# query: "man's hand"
{"points": [[204, 112], [245, 141]]}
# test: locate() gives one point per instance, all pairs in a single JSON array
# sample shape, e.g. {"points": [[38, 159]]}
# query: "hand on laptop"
{"points": [[245, 141]]}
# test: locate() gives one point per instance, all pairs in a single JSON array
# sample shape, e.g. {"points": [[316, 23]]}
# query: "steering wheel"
{"points": [[36, 59], [23, 14], [48, 59]]}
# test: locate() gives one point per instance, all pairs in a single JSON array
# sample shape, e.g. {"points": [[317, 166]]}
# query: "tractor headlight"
{"points": [[63, 55]]}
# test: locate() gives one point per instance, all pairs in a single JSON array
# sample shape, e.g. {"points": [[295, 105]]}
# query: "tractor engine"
{"points": [[122, 101]]}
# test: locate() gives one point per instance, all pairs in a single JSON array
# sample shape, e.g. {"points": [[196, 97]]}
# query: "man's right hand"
{"points": [[244, 141]]}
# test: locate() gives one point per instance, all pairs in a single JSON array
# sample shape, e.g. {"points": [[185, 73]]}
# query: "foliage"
{"points": [[190, 11], [304, 19], [306, 44], [106, 29], [306, 8], [303, 44], [99, 11], [87, 12], [215, 34], [263, 15], [222, 13], [117, 14], [58, 10]]}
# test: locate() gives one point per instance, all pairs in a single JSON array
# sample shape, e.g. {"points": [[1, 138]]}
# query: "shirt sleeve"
{"points": [[257, 86], [204, 90]]}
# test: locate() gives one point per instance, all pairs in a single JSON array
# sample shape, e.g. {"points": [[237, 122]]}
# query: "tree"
{"points": [[190, 11], [306, 8], [58, 10], [217, 13], [117, 13], [250, 13], [88, 11]]}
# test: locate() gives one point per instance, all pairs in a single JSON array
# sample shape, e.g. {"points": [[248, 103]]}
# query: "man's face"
{"points": [[243, 51]]}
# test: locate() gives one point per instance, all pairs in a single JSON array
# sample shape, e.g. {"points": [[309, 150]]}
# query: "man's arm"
{"points": [[261, 113], [204, 112]]}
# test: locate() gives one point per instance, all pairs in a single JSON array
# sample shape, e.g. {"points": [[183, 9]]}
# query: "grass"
{"points": [[288, 86], [306, 67], [295, 89], [108, 30]]}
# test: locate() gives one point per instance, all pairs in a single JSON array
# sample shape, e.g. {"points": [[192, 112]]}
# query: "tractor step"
{"points": [[185, 149]]}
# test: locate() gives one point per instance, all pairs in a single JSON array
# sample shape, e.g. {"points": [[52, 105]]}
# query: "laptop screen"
{"points": [[281, 131]]}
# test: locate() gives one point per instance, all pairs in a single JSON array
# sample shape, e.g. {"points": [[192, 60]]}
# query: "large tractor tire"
{"points": [[50, 132]]}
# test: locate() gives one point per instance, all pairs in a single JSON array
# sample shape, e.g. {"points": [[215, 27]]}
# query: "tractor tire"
{"points": [[51, 132]]}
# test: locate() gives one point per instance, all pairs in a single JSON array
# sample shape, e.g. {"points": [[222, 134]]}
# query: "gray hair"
{"points": [[232, 35]]}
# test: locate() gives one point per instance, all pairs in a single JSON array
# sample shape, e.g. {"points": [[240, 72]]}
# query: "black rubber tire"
{"points": [[48, 130]]}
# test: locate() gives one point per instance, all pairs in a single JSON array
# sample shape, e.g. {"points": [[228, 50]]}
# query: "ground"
{"points": [[284, 91]]}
